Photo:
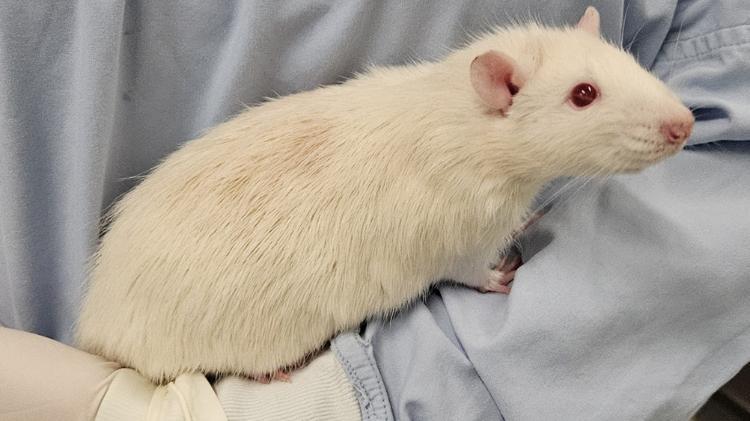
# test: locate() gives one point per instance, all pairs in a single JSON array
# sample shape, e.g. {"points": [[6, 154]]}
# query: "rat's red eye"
{"points": [[583, 94]]}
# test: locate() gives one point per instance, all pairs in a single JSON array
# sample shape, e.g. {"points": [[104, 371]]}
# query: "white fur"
{"points": [[249, 248]]}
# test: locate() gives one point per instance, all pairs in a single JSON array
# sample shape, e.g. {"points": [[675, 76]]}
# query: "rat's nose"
{"points": [[675, 131]]}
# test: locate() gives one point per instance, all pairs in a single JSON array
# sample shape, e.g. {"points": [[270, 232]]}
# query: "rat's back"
{"points": [[236, 254]]}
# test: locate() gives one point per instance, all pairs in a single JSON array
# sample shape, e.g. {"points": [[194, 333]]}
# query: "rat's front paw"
{"points": [[499, 277], [498, 282]]}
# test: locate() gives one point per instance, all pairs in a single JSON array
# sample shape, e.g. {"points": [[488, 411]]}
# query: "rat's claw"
{"points": [[283, 376], [279, 375], [504, 272], [498, 282]]}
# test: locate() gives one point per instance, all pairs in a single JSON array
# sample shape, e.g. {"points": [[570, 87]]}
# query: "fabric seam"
{"points": [[706, 53], [359, 383], [371, 402], [727, 28], [698, 52]]}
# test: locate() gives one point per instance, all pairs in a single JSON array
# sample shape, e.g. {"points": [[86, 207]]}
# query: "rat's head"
{"points": [[577, 104]]}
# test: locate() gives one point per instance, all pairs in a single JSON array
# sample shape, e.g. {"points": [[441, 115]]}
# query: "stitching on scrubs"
{"points": [[707, 53], [685, 39], [360, 386], [702, 51]]}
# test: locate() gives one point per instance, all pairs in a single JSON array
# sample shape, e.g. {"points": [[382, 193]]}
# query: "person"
{"points": [[43, 379]]}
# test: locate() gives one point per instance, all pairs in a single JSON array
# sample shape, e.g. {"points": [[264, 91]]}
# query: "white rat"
{"points": [[248, 249]]}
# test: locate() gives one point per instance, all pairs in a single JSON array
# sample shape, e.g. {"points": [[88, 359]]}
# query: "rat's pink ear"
{"points": [[589, 22], [495, 78]]}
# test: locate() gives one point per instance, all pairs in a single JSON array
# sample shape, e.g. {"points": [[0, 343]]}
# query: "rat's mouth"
{"points": [[639, 152]]}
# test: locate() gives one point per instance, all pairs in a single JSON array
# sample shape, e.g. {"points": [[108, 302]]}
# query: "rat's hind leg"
{"points": [[280, 375], [285, 374]]}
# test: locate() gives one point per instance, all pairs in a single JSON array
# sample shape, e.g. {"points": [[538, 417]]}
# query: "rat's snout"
{"points": [[676, 130]]}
